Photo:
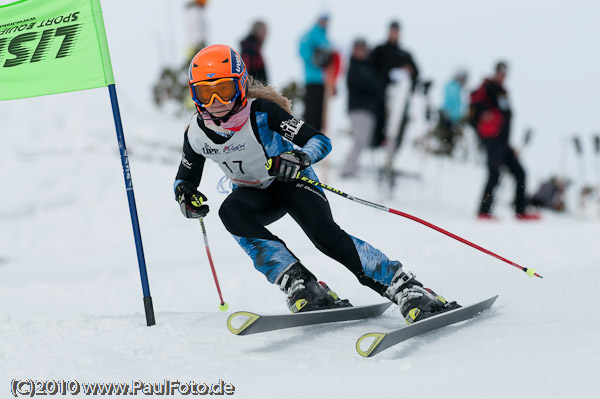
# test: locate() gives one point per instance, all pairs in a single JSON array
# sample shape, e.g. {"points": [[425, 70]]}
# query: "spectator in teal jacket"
{"points": [[454, 107], [316, 53], [452, 114]]}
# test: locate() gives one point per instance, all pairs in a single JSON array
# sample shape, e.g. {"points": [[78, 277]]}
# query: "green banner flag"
{"points": [[52, 46]]}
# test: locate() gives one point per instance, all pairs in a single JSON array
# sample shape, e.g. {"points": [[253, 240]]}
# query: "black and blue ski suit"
{"points": [[258, 199]]}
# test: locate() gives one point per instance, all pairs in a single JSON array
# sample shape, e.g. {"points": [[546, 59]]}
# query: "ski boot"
{"points": [[415, 302], [305, 294]]}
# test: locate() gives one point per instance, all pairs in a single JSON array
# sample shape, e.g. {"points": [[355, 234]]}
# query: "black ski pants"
{"points": [[500, 154], [247, 211]]}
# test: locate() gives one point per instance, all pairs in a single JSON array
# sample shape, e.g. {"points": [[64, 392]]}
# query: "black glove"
{"points": [[190, 201], [288, 165]]}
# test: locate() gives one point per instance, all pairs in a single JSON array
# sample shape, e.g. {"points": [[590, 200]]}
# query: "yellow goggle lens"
{"points": [[224, 90]]}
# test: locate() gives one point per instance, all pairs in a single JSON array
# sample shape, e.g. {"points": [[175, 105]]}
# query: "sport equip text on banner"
{"points": [[49, 47]]}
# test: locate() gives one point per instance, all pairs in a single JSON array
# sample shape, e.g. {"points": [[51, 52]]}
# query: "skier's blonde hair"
{"points": [[256, 89]]}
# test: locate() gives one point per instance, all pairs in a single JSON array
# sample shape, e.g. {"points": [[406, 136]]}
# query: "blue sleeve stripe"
{"points": [[273, 143], [317, 148]]}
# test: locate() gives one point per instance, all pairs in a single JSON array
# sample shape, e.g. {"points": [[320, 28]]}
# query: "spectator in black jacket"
{"points": [[364, 97], [251, 51], [384, 58], [490, 115]]}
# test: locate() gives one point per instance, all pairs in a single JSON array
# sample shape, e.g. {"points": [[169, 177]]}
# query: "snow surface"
{"points": [[70, 295]]}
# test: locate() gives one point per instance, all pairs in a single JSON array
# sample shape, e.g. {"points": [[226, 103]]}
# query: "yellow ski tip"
{"points": [[250, 318], [377, 337], [530, 272], [223, 307]]}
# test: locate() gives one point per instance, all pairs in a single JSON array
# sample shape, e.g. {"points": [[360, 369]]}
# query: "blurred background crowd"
{"points": [[464, 117]]}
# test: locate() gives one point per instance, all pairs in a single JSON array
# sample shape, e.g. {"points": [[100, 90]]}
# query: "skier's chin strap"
{"points": [[217, 120]]}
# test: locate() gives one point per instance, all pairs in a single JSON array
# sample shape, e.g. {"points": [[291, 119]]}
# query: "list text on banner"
{"points": [[49, 47]]}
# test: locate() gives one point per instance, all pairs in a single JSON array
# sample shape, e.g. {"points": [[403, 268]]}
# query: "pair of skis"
{"points": [[251, 323]]}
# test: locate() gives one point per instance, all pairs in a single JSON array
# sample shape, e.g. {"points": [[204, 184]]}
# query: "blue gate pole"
{"points": [[150, 321]]}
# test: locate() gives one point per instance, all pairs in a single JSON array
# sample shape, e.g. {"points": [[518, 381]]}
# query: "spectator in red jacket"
{"points": [[490, 115]]}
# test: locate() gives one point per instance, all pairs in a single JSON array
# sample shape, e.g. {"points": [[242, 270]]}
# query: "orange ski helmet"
{"points": [[217, 73]]}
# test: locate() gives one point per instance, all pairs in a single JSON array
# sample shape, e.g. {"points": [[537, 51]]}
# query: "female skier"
{"points": [[248, 130]]}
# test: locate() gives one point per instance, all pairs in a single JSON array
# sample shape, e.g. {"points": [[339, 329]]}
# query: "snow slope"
{"points": [[71, 301]]}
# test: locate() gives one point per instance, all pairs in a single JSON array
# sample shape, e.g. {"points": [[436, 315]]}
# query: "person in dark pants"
{"points": [[364, 96], [384, 58], [252, 51], [247, 129], [316, 53], [490, 115]]}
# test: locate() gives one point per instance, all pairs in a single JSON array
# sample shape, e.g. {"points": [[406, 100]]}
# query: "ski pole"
{"points": [[597, 149], [580, 157], [223, 306], [531, 272]]}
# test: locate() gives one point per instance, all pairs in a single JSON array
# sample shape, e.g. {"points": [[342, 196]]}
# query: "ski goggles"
{"points": [[226, 90]]}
